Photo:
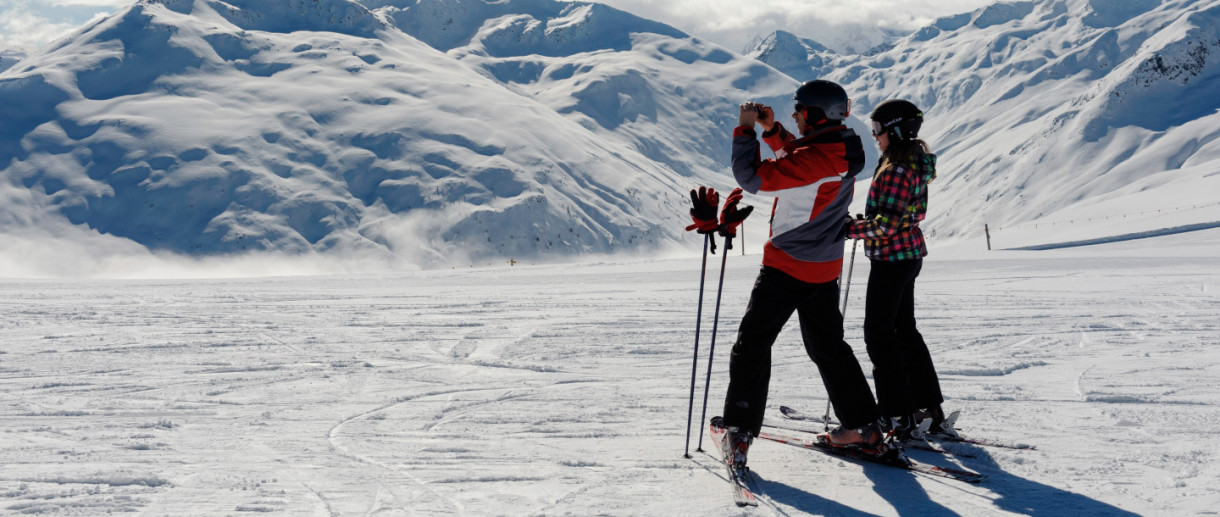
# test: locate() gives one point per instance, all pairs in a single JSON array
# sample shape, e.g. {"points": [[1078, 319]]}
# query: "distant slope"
{"points": [[207, 127], [1037, 105], [632, 81]]}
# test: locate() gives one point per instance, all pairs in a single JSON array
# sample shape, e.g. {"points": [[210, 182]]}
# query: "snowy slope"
{"points": [[630, 80], [306, 126], [1036, 106], [10, 57], [563, 390]]}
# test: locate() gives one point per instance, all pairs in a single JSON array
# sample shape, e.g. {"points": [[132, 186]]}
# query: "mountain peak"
{"points": [[790, 54], [515, 27]]}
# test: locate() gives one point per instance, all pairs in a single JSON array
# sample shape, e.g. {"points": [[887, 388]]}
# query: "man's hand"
{"points": [[753, 112], [748, 115], [766, 117]]}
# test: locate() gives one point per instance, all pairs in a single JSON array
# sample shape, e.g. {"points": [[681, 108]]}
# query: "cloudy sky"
{"points": [[29, 24]]}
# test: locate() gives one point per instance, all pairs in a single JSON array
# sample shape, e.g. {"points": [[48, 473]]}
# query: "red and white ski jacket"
{"points": [[812, 179]]}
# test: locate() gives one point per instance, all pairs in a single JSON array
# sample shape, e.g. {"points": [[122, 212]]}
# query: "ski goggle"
{"points": [[878, 129]]}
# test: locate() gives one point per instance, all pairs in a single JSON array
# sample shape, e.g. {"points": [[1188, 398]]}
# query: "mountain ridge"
{"points": [[309, 141], [1018, 94]]}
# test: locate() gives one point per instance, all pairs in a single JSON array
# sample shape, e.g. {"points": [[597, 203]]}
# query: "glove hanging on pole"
{"points": [[731, 217], [703, 212]]}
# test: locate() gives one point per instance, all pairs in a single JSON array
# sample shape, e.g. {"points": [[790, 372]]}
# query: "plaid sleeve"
{"points": [[888, 200]]}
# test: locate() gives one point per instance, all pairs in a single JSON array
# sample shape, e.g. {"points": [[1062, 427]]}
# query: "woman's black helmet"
{"points": [[823, 100], [901, 119]]}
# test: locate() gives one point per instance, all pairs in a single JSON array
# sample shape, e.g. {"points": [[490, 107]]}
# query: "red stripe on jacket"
{"points": [[811, 272], [804, 165]]}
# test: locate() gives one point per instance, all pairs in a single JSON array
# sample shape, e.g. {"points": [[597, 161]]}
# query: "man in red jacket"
{"points": [[812, 180]]}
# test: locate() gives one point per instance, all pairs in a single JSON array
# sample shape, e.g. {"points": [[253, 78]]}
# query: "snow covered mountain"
{"points": [[840, 38], [443, 132], [1038, 105], [10, 57], [309, 126], [795, 56], [632, 81]]}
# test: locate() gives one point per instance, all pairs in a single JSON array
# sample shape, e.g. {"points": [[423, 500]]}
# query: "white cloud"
{"points": [[30, 24], [732, 23], [113, 4]]}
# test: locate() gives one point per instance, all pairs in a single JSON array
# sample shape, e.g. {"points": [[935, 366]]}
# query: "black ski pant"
{"points": [[902, 367], [776, 295]]}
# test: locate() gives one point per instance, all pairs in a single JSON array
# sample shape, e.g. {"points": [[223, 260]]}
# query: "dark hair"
{"points": [[901, 152]]}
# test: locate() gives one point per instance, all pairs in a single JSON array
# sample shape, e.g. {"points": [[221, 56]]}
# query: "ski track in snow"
{"points": [[563, 389]]}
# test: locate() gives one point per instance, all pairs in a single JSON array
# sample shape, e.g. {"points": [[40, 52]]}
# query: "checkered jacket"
{"points": [[897, 202]]}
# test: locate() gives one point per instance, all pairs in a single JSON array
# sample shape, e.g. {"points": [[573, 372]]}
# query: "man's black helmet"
{"points": [[901, 119], [823, 100]]}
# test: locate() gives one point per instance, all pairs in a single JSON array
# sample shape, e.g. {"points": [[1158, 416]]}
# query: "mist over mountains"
{"points": [[440, 132]]}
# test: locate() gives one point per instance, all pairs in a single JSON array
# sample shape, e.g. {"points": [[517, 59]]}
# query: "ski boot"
{"points": [[734, 443], [937, 423], [735, 446], [869, 436], [905, 427]]}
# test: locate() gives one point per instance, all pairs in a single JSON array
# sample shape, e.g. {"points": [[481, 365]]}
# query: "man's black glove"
{"points": [[847, 222], [731, 217], [703, 210]]}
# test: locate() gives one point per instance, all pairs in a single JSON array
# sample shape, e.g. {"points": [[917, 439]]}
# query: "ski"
{"points": [[886, 455], [957, 438], [738, 477], [911, 444], [796, 414]]}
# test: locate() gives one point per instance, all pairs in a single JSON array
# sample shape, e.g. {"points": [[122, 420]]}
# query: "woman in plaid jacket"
{"points": [[908, 389]]}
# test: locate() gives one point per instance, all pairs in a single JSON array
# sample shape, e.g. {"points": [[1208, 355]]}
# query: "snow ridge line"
{"points": [[1120, 238]]}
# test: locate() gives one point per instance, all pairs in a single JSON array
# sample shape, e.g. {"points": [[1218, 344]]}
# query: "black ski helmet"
{"points": [[900, 118], [823, 100]]}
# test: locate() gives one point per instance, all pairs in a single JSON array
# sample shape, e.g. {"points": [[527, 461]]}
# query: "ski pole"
{"points": [[843, 312], [711, 354], [847, 287], [694, 370]]}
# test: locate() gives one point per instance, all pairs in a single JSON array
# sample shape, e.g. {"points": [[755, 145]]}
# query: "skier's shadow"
{"points": [[801, 500], [907, 497], [1016, 494], [797, 498]]}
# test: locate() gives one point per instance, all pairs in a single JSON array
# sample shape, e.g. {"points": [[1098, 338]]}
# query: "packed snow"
{"points": [[563, 389], [328, 257]]}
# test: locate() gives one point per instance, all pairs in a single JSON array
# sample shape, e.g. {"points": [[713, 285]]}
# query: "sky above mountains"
{"points": [[29, 24]]}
